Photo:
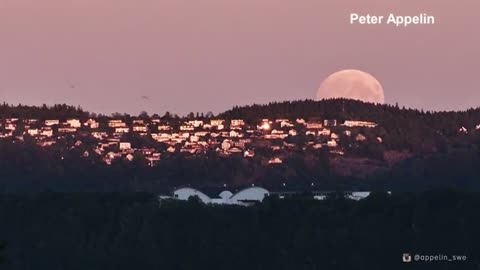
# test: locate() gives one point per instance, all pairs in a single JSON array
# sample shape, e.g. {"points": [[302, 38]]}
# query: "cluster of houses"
{"points": [[247, 196], [113, 137]]}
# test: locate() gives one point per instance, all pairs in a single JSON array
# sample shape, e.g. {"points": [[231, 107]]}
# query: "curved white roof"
{"points": [[185, 193], [251, 194], [225, 194]]}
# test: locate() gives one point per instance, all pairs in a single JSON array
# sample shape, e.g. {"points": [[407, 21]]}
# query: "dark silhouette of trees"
{"points": [[136, 231]]}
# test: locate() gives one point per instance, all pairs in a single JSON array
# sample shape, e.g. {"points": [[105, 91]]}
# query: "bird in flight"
{"points": [[145, 98]]}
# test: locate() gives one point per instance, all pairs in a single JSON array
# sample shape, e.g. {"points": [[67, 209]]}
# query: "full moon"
{"points": [[352, 84]]}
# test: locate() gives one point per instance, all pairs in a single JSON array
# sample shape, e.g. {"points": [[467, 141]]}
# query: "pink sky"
{"points": [[208, 55]]}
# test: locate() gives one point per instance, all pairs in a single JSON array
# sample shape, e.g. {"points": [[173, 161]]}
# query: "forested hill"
{"points": [[345, 109], [57, 111], [340, 109]]}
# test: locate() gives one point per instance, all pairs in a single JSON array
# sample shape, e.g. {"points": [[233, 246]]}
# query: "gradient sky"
{"points": [[208, 55]]}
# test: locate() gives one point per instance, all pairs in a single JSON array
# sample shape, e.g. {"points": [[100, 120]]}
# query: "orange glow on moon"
{"points": [[351, 84]]}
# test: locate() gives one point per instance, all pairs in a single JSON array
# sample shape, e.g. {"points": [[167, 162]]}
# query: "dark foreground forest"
{"points": [[135, 231]]}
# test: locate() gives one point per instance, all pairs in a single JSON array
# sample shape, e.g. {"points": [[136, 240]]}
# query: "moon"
{"points": [[352, 84]]}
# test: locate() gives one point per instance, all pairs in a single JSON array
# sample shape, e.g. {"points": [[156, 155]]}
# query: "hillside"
{"points": [[336, 144]]}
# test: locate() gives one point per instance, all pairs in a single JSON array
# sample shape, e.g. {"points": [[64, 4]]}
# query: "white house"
{"points": [[314, 125], [351, 123], [74, 123], [187, 127], [332, 143], [285, 123], [122, 130], [116, 123], [47, 132], [91, 123], [140, 129], [51, 122], [237, 123], [125, 146], [216, 122], [196, 123], [32, 132], [324, 132], [234, 133]]}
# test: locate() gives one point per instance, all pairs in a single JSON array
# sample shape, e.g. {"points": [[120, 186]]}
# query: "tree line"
{"points": [[136, 231]]}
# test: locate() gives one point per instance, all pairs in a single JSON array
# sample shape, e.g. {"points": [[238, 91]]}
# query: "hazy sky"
{"points": [[208, 55]]}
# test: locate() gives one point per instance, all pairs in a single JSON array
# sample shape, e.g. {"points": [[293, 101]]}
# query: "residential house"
{"points": [[129, 157], [234, 150], [67, 130], [125, 146], [201, 133], [332, 143], [31, 121], [10, 126], [74, 123], [33, 131], [91, 123], [276, 148], [139, 129], [324, 132], [226, 144], [116, 124], [52, 122], [11, 120], [317, 146], [195, 123], [286, 124], [46, 143], [300, 121], [360, 138], [122, 130], [187, 127], [234, 133], [314, 125], [99, 135], [237, 123], [46, 131], [275, 161], [330, 123], [164, 128], [352, 123], [249, 153]]}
